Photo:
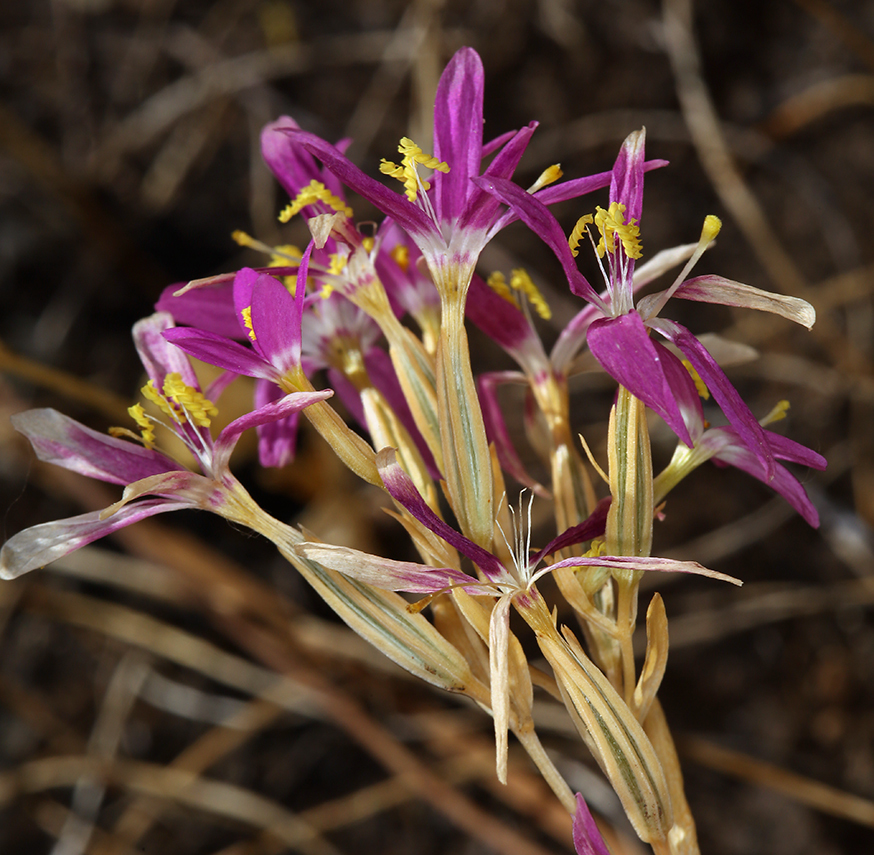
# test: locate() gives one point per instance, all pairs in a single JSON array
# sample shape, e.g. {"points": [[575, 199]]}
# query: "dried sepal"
{"points": [[613, 735], [656, 657], [682, 837], [384, 619]]}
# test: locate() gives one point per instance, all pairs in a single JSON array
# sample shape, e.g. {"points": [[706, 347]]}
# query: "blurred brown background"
{"points": [[128, 154]]}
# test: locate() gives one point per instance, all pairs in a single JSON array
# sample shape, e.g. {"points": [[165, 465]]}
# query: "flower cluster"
{"points": [[379, 316]]}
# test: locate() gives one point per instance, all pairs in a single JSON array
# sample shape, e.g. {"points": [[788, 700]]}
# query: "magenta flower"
{"points": [[618, 332], [143, 469], [454, 219]]}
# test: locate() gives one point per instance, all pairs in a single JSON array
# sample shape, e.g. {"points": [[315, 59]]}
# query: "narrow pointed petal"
{"points": [[40, 545], [482, 209], [208, 308], [787, 449], [390, 575], [275, 314], [458, 131], [738, 413], [58, 439], [537, 217], [576, 187], [627, 184], [158, 355], [726, 292], [293, 166], [683, 390], [572, 338], [277, 441], [403, 212], [272, 412], [731, 451], [587, 837], [402, 489], [623, 347], [222, 352]]}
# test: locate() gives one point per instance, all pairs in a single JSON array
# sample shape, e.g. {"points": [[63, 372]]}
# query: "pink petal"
{"points": [[60, 440], [458, 131], [587, 837], [41, 544], [623, 347]]}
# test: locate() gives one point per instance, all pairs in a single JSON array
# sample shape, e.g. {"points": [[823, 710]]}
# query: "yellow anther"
{"points": [[401, 255], [779, 412], [180, 402], [368, 243], [611, 223], [243, 239], [314, 192], [498, 283], [198, 407], [406, 172], [285, 255], [337, 263], [549, 176], [712, 227], [521, 281], [577, 234], [413, 154], [280, 256], [247, 321], [702, 389], [144, 423], [596, 549], [326, 290]]}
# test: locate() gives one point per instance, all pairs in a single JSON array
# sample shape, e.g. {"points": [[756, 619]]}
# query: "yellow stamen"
{"points": [[549, 176], [247, 321], [240, 237], [368, 244], [199, 408], [700, 386], [314, 192], [283, 256], [712, 227], [596, 549], [521, 281], [406, 172], [337, 263], [577, 234], [779, 412], [611, 224], [595, 465], [147, 429], [498, 283], [326, 290], [180, 402], [401, 255]]}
